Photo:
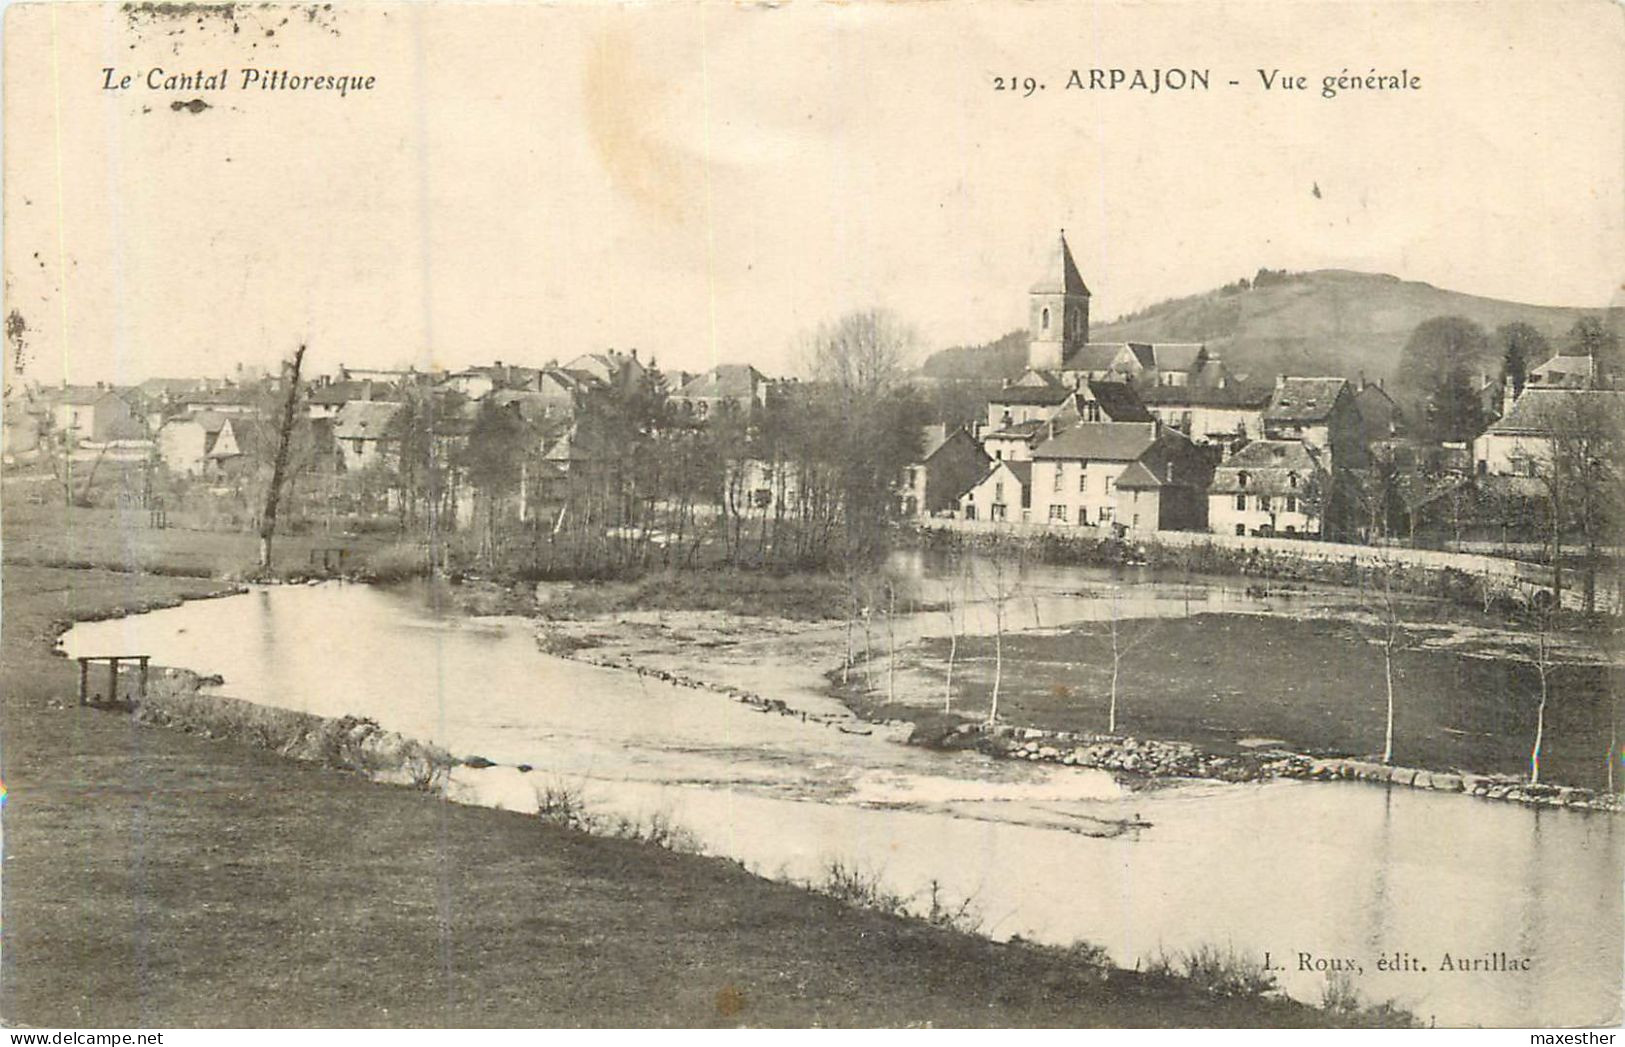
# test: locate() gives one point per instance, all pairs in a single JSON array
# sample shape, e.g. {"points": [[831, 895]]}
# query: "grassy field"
{"points": [[155, 878], [122, 539], [1315, 684]]}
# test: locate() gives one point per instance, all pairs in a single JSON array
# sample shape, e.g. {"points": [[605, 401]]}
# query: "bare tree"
{"points": [[1122, 644], [954, 608], [1004, 588], [1544, 664], [279, 467], [891, 640], [1391, 636]]}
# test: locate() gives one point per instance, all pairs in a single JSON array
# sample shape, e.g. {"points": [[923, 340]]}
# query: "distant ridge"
{"points": [[1326, 321]]}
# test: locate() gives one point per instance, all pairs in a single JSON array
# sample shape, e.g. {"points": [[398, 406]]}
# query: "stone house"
{"points": [[1321, 412], [950, 462], [1270, 487], [1076, 473], [361, 432]]}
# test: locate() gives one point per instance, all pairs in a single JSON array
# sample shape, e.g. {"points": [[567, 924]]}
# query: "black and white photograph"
{"points": [[1043, 514]]}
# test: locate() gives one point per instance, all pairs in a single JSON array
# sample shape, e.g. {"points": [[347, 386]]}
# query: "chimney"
{"points": [[1508, 398], [1362, 381], [1280, 382]]}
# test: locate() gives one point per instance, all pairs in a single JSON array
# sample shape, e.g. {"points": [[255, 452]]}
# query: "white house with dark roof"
{"points": [[1231, 412], [1519, 443], [1016, 403], [200, 442], [1269, 487], [1563, 371], [1076, 474], [1004, 493], [736, 387], [1322, 413]]}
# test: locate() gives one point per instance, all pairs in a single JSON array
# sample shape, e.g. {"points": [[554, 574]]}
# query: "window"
{"points": [[997, 512], [1111, 484], [1057, 513], [1241, 503], [1083, 516], [1241, 529], [1291, 503], [1264, 502], [1044, 320], [1105, 514], [1292, 479], [1083, 483], [1059, 470], [1241, 479], [998, 490], [356, 445], [1136, 520]]}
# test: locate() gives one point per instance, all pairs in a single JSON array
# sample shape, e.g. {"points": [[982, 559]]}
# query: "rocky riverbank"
{"points": [[1150, 758]]}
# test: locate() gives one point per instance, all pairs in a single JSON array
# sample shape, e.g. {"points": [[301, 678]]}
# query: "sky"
{"points": [[708, 182]]}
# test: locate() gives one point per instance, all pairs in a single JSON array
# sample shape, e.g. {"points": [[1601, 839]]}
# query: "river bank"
{"points": [[1465, 711], [156, 877]]}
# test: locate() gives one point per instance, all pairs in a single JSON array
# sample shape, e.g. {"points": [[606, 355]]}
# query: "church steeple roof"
{"points": [[1061, 272]]}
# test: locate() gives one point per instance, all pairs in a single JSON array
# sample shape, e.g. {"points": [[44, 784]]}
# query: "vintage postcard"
{"points": [[818, 514]]}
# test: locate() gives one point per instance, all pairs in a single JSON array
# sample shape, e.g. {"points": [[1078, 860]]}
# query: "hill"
{"points": [[1328, 321]]}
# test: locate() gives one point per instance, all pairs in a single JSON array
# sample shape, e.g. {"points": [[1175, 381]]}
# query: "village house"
{"points": [[1044, 399], [1321, 412], [610, 367], [739, 388], [233, 399], [1519, 443], [1230, 412], [89, 414], [328, 397], [1003, 493], [361, 432], [950, 462], [25, 418], [203, 443], [1036, 397], [1563, 371], [1075, 476], [1015, 443], [1381, 418], [1270, 487]]}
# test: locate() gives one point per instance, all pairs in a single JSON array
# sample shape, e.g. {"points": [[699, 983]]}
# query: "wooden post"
{"points": [[143, 694], [112, 679], [84, 681]]}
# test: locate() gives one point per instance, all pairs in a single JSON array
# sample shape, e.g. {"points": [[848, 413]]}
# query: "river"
{"points": [[1338, 870]]}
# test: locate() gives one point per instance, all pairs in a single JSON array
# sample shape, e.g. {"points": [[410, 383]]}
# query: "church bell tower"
{"points": [[1059, 312]]}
